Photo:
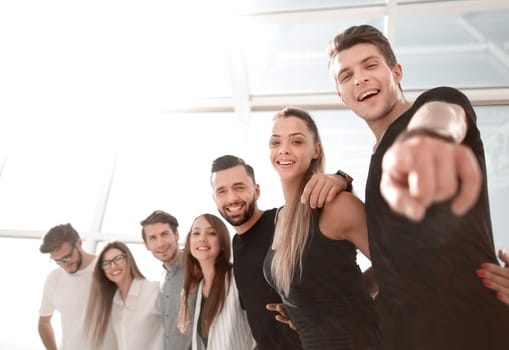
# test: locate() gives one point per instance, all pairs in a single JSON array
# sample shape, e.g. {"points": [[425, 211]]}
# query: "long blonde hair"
{"points": [[292, 226]]}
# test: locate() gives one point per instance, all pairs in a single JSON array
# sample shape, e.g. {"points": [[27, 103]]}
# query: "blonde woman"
{"points": [[219, 322], [312, 262], [120, 294]]}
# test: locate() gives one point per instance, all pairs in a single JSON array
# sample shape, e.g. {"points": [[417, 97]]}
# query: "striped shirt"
{"points": [[229, 329]]}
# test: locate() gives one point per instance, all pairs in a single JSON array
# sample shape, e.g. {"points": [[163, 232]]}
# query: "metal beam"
{"points": [[100, 209], [478, 97], [372, 11], [86, 236]]}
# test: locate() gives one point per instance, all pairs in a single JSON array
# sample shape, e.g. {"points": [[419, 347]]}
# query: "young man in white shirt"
{"points": [[66, 290]]}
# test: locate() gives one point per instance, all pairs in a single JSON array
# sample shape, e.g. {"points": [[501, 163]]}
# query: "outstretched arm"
{"points": [[323, 188], [427, 164], [497, 277]]}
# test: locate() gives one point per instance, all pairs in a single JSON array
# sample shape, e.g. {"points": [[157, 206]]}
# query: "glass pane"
{"points": [[472, 54], [292, 58], [22, 293], [184, 75], [47, 186], [493, 27], [166, 165], [493, 122], [116, 56]]}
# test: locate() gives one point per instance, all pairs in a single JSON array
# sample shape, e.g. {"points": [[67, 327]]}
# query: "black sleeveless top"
{"points": [[430, 296], [329, 304]]}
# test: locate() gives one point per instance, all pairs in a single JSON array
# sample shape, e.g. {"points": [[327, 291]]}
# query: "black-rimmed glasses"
{"points": [[106, 264], [65, 258]]}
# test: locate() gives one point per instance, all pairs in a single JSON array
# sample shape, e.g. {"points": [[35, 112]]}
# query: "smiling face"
{"points": [[367, 84], [235, 194], [292, 147], [162, 242], [115, 266], [203, 241]]}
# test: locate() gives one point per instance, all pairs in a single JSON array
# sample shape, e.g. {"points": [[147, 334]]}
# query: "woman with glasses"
{"points": [[219, 322], [121, 293]]}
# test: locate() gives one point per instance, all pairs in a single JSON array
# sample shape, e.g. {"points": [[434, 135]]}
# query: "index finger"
{"points": [[421, 175], [394, 186]]}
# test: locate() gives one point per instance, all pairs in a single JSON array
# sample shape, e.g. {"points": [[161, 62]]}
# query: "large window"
{"points": [[111, 110]]}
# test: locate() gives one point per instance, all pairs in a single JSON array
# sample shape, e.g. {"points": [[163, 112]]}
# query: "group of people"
{"points": [[425, 225]]}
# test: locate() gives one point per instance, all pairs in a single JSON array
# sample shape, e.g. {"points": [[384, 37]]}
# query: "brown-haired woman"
{"points": [[121, 293], [218, 311]]}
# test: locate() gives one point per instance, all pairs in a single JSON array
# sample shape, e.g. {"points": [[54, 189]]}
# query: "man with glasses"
{"points": [[66, 290]]}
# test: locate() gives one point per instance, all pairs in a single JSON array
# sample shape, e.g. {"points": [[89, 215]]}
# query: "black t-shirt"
{"points": [[430, 296], [327, 300], [249, 250]]}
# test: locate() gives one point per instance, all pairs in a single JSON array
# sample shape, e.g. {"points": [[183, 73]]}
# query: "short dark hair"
{"points": [[228, 161], [358, 35], [159, 216], [57, 236]]}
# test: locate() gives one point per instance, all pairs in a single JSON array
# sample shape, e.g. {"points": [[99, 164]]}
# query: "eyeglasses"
{"points": [[66, 258], [119, 259]]}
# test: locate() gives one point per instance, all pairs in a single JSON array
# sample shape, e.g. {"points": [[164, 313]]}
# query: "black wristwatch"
{"points": [[348, 178]]}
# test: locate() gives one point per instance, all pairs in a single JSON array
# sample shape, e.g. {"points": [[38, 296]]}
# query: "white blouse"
{"points": [[137, 323]]}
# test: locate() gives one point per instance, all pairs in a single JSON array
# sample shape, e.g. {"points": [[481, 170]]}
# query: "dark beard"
{"points": [[239, 220], [79, 263]]}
